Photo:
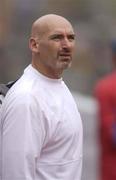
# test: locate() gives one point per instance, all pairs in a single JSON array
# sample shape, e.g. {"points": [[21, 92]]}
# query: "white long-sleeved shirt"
{"points": [[41, 131]]}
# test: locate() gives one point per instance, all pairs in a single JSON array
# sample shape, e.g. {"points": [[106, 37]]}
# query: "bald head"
{"points": [[46, 22], [52, 43]]}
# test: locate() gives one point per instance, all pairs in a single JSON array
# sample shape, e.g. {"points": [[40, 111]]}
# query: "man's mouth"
{"points": [[65, 55]]}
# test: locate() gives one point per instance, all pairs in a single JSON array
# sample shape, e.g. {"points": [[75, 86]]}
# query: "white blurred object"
{"points": [[88, 109]]}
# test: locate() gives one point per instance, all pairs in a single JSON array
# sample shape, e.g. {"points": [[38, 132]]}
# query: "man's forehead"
{"points": [[56, 27], [62, 31]]}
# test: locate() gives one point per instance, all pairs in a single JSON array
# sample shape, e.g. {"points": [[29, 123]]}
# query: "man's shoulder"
{"points": [[19, 98]]}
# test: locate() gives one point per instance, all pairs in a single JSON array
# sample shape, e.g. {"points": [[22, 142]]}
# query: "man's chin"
{"points": [[66, 65]]}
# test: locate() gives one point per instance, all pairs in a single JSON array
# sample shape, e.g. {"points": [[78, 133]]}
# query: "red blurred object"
{"points": [[105, 92]]}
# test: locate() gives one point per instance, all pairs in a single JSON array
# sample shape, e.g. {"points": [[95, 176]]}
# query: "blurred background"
{"points": [[94, 22]]}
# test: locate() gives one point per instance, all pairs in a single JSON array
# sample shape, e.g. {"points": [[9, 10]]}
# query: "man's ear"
{"points": [[33, 45]]}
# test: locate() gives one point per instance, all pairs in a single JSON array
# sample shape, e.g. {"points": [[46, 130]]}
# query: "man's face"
{"points": [[55, 47]]}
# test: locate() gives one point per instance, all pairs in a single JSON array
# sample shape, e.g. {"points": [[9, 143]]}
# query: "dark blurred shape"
{"points": [[113, 46]]}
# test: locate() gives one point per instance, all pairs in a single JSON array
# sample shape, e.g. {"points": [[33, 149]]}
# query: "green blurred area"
{"points": [[95, 27]]}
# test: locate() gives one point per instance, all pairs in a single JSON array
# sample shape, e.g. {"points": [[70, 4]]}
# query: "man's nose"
{"points": [[66, 43]]}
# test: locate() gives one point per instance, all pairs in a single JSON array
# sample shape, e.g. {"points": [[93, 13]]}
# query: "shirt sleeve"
{"points": [[22, 138]]}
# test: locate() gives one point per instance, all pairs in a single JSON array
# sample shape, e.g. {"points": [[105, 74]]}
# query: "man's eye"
{"points": [[56, 38], [71, 38]]}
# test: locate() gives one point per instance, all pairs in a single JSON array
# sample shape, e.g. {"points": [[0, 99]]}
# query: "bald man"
{"points": [[41, 128]]}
